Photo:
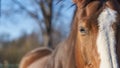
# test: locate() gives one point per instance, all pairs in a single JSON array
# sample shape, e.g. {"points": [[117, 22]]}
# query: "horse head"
{"points": [[97, 42]]}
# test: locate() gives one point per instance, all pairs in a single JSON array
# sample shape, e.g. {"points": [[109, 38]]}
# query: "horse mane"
{"points": [[64, 56], [33, 55]]}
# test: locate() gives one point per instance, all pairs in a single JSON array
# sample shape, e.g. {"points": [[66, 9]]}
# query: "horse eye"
{"points": [[83, 31]]}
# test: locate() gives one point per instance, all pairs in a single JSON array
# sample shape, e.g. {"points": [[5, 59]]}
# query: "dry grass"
{"points": [[12, 52]]}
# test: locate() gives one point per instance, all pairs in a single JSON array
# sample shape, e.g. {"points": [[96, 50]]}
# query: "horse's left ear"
{"points": [[81, 3], [75, 1]]}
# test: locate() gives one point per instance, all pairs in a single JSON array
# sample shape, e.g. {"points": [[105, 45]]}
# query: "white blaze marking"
{"points": [[106, 39]]}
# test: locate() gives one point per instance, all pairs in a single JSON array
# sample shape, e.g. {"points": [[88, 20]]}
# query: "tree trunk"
{"points": [[48, 20]]}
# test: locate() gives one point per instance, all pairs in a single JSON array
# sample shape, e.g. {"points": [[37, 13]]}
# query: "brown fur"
{"points": [[78, 50]]}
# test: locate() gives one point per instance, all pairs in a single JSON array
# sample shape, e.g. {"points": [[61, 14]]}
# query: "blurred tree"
{"points": [[12, 51], [47, 14], [46, 6]]}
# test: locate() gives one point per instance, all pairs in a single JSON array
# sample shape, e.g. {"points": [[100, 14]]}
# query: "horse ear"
{"points": [[114, 4], [81, 3], [75, 1]]}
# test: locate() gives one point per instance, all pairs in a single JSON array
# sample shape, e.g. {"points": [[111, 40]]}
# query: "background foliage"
{"points": [[29, 24]]}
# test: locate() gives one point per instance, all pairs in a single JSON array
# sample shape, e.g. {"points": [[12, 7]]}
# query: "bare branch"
{"points": [[23, 7], [47, 14], [47, 17]]}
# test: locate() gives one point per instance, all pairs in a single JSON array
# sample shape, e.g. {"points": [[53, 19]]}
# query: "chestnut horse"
{"points": [[94, 40]]}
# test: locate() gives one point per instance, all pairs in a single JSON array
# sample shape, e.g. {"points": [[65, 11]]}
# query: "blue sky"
{"points": [[15, 22]]}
